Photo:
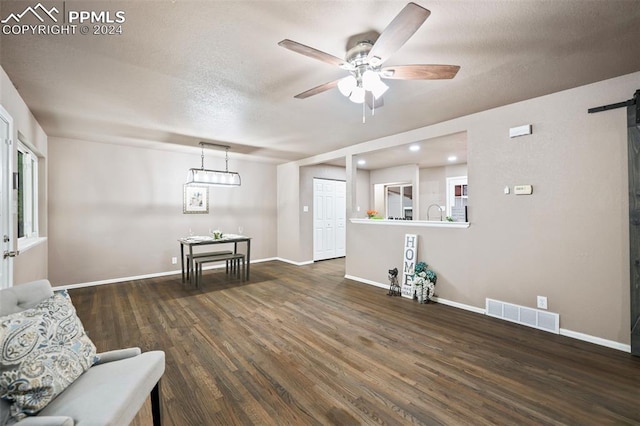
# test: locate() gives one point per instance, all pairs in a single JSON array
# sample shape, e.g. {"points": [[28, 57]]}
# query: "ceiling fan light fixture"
{"points": [[370, 79], [372, 83], [347, 84], [379, 89], [375, 61], [357, 95]]}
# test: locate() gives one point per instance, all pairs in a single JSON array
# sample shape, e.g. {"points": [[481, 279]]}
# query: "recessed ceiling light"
{"points": [[361, 162], [452, 158], [414, 148]]}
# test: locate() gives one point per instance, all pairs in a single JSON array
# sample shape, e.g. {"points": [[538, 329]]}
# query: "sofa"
{"points": [[110, 387]]}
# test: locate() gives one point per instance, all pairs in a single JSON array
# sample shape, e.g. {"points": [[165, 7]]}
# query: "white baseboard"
{"points": [[459, 305], [563, 331], [293, 262], [366, 281], [596, 340], [145, 276]]}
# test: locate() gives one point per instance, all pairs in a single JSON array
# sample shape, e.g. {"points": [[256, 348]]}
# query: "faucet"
{"points": [[439, 208]]}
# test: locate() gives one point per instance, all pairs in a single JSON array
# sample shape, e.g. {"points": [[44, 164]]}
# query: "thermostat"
{"points": [[523, 189]]}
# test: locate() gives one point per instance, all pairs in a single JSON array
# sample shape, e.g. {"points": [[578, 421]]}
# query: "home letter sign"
{"points": [[409, 264]]}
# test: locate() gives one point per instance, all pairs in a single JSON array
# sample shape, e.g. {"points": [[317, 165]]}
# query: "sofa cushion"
{"points": [[110, 394], [43, 349], [23, 296]]}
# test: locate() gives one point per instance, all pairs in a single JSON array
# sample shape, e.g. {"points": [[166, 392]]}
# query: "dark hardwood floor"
{"points": [[304, 346]]}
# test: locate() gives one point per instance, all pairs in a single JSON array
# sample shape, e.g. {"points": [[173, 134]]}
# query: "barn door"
{"points": [[633, 130]]}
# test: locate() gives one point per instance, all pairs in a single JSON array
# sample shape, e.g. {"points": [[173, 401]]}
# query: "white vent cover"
{"points": [[542, 320]]}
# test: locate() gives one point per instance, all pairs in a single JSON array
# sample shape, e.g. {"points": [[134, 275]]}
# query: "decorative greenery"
{"points": [[449, 219], [424, 281]]}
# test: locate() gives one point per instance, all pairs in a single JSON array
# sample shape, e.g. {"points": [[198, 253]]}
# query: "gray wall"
{"points": [[116, 211], [568, 241]]}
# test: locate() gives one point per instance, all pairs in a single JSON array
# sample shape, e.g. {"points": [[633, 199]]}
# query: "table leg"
{"points": [[182, 260], [248, 258], [192, 278]]}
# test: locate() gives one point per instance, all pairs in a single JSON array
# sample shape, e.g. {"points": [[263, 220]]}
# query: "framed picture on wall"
{"points": [[196, 199]]}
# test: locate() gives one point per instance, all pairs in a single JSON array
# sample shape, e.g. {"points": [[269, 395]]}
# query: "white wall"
{"points": [[117, 211]]}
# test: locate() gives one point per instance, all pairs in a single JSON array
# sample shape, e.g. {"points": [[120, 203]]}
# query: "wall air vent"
{"points": [[536, 318]]}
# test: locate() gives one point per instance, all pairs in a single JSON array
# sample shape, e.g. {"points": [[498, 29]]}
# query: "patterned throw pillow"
{"points": [[42, 351]]}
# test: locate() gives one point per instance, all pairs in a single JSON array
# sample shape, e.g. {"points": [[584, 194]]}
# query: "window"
{"points": [[27, 193], [399, 201]]}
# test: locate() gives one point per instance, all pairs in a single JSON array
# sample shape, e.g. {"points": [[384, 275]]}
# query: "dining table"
{"points": [[196, 241]]}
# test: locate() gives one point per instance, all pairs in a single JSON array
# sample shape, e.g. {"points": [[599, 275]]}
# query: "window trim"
{"points": [[30, 183]]}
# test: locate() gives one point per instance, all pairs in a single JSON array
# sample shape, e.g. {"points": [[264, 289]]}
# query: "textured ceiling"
{"points": [[186, 71]]}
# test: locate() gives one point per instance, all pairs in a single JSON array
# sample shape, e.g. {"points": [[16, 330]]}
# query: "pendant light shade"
{"points": [[213, 177], [204, 176]]}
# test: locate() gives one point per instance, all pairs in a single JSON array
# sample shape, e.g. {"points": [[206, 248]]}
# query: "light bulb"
{"points": [[347, 84]]}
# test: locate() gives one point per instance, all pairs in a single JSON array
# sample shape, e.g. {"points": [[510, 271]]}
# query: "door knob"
{"points": [[11, 254]]}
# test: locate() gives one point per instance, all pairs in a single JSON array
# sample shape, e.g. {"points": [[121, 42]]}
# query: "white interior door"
{"points": [[6, 191], [329, 212]]}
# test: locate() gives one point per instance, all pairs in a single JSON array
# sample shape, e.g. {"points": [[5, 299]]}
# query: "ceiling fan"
{"points": [[364, 61]]}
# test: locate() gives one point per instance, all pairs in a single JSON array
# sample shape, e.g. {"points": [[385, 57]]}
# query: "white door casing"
{"points": [[341, 217], [6, 197]]}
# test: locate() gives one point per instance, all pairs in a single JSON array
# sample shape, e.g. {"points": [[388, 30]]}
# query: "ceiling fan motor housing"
{"points": [[357, 57]]}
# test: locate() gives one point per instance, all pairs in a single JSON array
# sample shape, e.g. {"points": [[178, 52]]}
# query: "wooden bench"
{"points": [[233, 258], [207, 254]]}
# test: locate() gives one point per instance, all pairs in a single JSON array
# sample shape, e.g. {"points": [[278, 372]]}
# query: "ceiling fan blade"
{"points": [[318, 89], [372, 102], [420, 72], [403, 26], [314, 53]]}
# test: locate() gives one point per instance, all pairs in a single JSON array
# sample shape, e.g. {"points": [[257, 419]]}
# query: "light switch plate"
{"points": [[523, 189], [542, 302], [305, 209]]}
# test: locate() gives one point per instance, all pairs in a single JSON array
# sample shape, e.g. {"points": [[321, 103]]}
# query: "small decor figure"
{"points": [[424, 282], [372, 213], [394, 287]]}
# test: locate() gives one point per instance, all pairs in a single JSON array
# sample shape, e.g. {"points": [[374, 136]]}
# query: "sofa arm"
{"points": [[117, 355], [47, 421]]}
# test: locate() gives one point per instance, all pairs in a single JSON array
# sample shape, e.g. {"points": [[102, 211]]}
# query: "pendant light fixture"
{"points": [[204, 176]]}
